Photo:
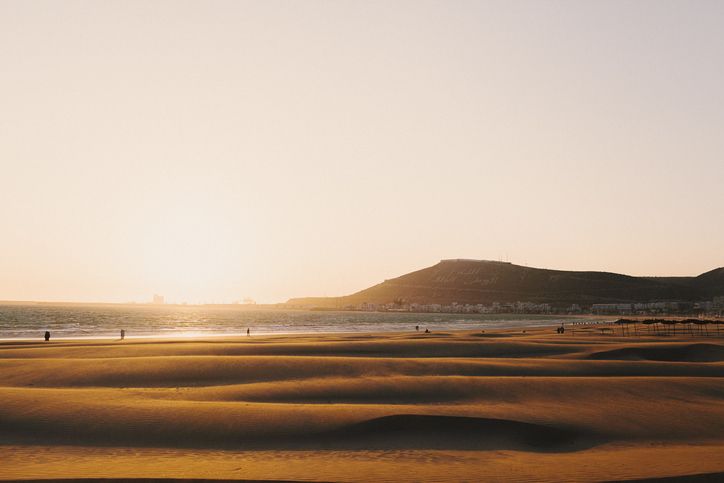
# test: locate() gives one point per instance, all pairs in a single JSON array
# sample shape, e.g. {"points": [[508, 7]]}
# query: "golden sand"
{"points": [[456, 406]]}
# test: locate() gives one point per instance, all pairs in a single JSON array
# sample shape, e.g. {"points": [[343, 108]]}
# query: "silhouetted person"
{"points": [[248, 333], [47, 336], [427, 331], [417, 328], [123, 334]]}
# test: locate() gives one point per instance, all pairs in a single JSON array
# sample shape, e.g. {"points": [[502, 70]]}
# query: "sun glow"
{"points": [[191, 249]]}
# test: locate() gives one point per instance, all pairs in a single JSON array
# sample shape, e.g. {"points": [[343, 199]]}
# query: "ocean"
{"points": [[31, 321]]}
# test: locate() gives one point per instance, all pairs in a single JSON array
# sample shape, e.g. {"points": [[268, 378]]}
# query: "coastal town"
{"points": [[712, 308]]}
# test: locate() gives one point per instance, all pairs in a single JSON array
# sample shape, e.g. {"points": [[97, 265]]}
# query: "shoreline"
{"points": [[181, 334], [191, 336]]}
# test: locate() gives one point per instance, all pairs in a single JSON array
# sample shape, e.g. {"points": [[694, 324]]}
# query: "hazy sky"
{"points": [[216, 150]]}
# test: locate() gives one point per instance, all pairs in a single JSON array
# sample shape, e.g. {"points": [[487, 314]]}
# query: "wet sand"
{"points": [[508, 405]]}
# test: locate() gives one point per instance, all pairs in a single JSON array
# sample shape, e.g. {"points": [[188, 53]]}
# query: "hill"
{"points": [[711, 283], [485, 282]]}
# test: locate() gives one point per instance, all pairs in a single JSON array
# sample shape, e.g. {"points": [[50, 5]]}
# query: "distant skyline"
{"points": [[217, 150]]}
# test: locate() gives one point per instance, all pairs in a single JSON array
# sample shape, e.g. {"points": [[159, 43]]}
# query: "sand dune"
{"points": [[365, 407], [668, 353], [415, 431], [177, 371]]}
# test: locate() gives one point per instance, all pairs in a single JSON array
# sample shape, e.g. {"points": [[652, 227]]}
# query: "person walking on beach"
{"points": [[47, 336], [248, 333], [123, 334]]}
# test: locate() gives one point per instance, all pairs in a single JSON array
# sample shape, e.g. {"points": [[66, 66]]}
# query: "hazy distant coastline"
{"points": [[494, 287]]}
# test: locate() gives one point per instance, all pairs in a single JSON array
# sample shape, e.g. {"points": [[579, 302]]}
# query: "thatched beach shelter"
{"points": [[687, 323], [649, 322], [702, 323], [624, 323], [669, 325]]}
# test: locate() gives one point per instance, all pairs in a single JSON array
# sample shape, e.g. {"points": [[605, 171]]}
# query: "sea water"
{"points": [[31, 321]]}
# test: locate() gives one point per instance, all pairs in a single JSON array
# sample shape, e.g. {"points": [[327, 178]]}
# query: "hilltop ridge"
{"points": [[466, 281]]}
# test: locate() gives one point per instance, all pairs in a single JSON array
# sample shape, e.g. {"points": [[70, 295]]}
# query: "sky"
{"points": [[209, 151]]}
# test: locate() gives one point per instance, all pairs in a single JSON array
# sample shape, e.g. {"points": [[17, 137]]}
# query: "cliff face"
{"points": [[485, 282]]}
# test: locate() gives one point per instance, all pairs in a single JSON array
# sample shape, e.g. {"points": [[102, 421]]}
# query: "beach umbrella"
{"points": [[687, 323], [669, 324], [623, 322], [701, 323], [649, 322]]}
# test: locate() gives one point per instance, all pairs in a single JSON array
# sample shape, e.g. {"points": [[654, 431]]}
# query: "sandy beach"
{"points": [[507, 405]]}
